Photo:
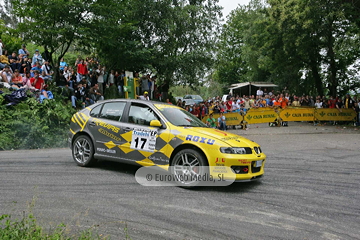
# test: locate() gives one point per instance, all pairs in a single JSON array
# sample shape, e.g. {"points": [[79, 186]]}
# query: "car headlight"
{"points": [[236, 150]]}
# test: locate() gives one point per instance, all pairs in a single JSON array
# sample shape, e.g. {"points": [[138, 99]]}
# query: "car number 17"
{"points": [[143, 140]]}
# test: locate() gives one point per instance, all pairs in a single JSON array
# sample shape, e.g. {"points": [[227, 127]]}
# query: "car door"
{"points": [[144, 144], [105, 127]]}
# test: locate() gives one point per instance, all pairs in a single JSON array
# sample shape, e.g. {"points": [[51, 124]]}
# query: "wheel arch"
{"points": [[80, 134], [187, 146]]}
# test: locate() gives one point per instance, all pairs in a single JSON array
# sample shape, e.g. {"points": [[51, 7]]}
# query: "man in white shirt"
{"points": [[259, 92]]}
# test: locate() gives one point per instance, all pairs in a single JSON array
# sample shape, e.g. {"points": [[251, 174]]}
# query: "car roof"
{"points": [[147, 102]]}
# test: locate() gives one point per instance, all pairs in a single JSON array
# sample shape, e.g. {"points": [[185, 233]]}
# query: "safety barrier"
{"points": [[289, 114]]}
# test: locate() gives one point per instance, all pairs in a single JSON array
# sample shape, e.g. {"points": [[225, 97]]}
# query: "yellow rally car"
{"points": [[151, 133]]}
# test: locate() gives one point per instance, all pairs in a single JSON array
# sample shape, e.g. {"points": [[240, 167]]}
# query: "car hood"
{"points": [[226, 137]]}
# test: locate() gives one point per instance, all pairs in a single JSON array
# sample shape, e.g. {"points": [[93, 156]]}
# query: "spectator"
{"points": [[259, 92], [6, 75], [318, 104], [304, 101], [100, 78], [357, 109], [36, 68], [179, 103], [37, 58], [137, 82], [111, 78], [24, 51], [63, 64], [348, 102], [81, 70], [296, 102], [332, 102], [222, 122], [4, 59], [324, 103], [95, 93], [46, 71], [16, 80], [38, 83], [68, 76], [217, 107], [145, 96], [144, 84], [339, 104], [283, 101], [80, 93], [1, 47], [211, 122], [27, 82]]}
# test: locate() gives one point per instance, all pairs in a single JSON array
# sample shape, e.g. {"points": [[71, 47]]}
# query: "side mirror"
{"points": [[155, 123]]}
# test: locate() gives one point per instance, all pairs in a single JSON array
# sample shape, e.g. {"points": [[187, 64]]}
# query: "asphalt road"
{"points": [[311, 190]]}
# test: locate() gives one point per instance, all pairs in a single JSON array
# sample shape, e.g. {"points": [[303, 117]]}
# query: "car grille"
{"points": [[240, 169]]}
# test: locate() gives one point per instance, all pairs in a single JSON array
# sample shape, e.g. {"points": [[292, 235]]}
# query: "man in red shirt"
{"points": [[38, 83], [81, 70]]}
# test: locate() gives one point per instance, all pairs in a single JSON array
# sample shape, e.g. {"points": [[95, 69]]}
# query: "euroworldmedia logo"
{"points": [[184, 176]]}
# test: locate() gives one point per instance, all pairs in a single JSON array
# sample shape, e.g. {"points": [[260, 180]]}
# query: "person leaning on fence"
{"points": [[222, 122]]}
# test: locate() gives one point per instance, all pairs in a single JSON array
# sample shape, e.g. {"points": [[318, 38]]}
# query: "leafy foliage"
{"points": [[309, 46], [28, 229], [32, 125]]}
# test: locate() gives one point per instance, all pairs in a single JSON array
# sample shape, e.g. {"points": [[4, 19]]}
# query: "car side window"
{"points": [[142, 115], [95, 111], [113, 111]]}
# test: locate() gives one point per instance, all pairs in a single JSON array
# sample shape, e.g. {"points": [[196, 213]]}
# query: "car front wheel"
{"points": [[189, 168], [83, 151]]}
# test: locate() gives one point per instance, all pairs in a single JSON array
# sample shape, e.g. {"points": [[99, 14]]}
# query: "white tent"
{"points": [[249, 87]]}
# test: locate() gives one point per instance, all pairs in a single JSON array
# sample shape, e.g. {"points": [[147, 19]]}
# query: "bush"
{"points": [[32, 125], [27, 229]]}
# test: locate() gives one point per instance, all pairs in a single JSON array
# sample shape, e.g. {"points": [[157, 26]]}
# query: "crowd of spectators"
{"points": [[82, 83], [263, 98]]}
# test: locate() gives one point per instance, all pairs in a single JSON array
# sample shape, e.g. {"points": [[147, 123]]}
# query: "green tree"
{"points": [[238, 57], [56, 25], [180, 38]]}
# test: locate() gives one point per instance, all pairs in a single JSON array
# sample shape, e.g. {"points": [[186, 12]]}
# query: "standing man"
{"points": [[81, 70], [259, 92]]}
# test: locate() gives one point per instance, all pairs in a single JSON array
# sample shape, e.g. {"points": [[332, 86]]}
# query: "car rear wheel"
{"points": [[189, 168], [83, 151]]}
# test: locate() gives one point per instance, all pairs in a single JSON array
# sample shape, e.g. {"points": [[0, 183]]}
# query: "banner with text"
{"points": [[297, 114], [334, 114], [260, 115]]}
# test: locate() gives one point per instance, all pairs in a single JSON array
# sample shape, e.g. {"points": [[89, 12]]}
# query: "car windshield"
{"points": [[181, 118], [197, 97]]}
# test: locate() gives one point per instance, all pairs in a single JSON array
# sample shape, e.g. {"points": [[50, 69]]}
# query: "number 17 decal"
{"points": [[143, 140]]}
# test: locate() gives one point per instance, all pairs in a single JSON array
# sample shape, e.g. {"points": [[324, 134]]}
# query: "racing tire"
{"points": [[83, 151], [187, 166]]}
